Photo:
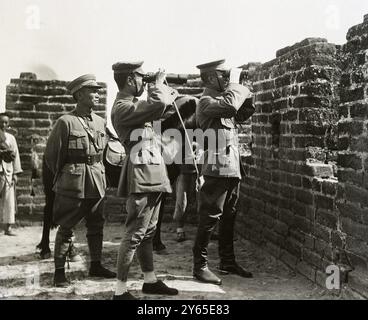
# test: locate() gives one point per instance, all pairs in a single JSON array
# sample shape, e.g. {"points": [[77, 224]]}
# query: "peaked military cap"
{"points": [[87, 80], [128, 67], [212, 66]]}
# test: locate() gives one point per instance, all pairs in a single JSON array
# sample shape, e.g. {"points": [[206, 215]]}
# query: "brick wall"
{"points": [[304, 198], [33, 106], [352, 196]]}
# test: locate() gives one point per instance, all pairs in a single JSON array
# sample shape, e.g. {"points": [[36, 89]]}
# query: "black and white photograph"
{"points": [[198, 151]]}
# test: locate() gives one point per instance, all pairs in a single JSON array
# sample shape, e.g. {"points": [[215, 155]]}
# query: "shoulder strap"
{"points": [[89, 133]]}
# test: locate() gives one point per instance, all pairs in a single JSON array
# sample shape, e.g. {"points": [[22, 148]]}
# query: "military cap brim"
{"points": [[85, 81], [128, 67], [212, 66]]}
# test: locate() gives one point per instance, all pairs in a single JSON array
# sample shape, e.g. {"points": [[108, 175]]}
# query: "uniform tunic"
{"points": [[216, 111], [69, 139], [144, 169], [75, 181]]}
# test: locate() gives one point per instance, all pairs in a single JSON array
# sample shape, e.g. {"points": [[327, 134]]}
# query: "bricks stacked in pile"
{"points": [[33, 106], [352, 201], [287, 196]]}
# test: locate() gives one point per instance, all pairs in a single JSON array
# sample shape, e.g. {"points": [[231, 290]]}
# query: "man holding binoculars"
{"points": [[144, 176], [220, 103]]}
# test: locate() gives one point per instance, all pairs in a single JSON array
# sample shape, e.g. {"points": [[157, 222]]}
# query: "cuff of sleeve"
{"points": [[239, 87]]}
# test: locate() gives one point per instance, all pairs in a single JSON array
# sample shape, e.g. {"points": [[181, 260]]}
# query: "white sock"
{"points": [[149, 277], [121, 287]]}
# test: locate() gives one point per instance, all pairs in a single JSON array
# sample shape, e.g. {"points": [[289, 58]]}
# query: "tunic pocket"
{"points": [[70, 178], [77, 140], [149, 175]]}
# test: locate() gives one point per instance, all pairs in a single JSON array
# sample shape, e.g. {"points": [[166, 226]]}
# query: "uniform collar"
{"points": [[123, 96], [212, 93], [88, 116]]}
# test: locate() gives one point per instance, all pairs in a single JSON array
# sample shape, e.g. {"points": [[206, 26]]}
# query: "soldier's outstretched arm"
{"points": [[136, 113], [56, 150], [228, 104]]}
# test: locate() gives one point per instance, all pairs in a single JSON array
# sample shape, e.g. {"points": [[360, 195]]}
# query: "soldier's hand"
{"points": [[235, 75], [160, 76]]}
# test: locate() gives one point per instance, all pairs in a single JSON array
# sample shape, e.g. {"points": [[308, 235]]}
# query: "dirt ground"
{"points": [[24, 276]]}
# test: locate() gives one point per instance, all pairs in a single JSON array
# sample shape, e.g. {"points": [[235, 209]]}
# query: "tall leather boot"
{"points": [[201, 272], [61, 248], [95, 250]]}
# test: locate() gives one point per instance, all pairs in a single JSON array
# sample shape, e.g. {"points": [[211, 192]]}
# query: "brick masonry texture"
{"points": [[304, 198]]}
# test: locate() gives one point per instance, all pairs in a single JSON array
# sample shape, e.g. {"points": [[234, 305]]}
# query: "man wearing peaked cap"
{"points": [[74, 156], [212, 66], [123, 69], [87, 81], [144, 176], [128, 67], [217, 110]]}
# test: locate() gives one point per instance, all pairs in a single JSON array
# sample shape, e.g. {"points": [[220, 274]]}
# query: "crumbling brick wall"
{"points": [[33, 106], [288, 192], [304, 198], [352, 196]]}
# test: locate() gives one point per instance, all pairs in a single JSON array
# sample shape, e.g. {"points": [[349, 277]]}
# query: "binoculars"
{"points": [[175, 78], [170, 77], [149, 77]]}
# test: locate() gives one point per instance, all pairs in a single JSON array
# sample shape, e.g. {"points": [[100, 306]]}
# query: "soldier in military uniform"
{"points": [[144, 175], [74, 155], [221, 168]]}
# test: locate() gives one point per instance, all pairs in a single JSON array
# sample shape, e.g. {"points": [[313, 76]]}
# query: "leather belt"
{"points": [[87, 159]]}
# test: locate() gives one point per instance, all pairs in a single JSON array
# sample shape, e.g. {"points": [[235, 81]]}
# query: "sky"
{"points": [[65, 39]]}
